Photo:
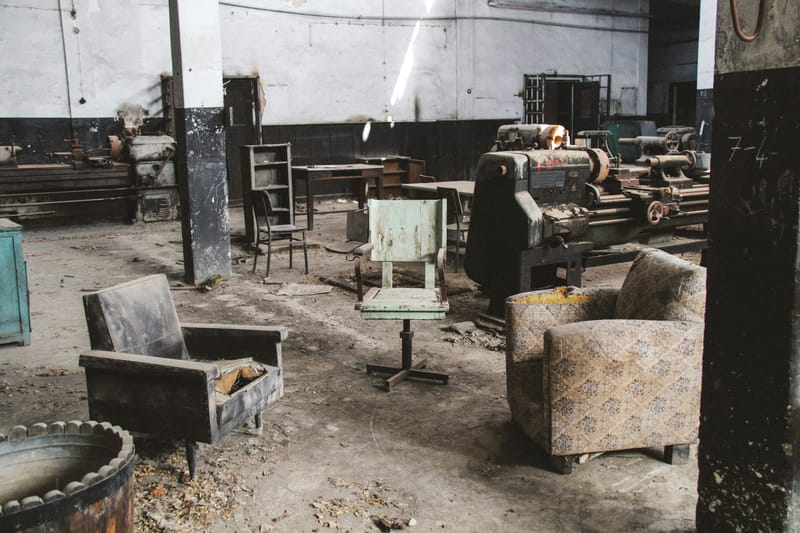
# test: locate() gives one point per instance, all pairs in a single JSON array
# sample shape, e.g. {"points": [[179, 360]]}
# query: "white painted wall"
{"points": [[195, 29], [322, 61], [706, 46], [116, 52]]}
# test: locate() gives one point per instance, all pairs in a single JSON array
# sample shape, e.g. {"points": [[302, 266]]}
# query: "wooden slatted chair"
{"points": [[405, 231]]}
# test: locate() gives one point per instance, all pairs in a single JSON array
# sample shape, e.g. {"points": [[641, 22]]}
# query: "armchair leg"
{"points": [[191, 457], [259, 423], [407, 370], [563, 464], [676, 454]]}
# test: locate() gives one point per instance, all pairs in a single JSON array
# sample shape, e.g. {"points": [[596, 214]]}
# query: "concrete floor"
{"points": [[337, 452]]}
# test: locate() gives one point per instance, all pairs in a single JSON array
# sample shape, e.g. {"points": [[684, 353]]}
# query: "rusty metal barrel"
{"points": [[66, 476]]}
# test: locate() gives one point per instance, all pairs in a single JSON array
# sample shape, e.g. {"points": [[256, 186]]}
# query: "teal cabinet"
{"points": [[15, 318]]}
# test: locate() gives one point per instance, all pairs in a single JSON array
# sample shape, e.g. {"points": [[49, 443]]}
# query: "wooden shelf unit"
{"points": [[397, 169], [267, 167]]}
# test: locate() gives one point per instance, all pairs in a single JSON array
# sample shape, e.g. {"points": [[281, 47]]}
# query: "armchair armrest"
{"points": [[360, 252], [150, 394], [619, 384], [441, 258], [530, 314], [225, 341], [148, 364]]}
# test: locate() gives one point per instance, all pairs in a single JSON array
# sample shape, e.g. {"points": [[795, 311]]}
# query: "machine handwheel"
{"points": [[672, 141], [655, 212]]}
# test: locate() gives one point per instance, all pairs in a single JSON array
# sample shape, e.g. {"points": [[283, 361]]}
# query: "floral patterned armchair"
{"points": [[594, 370]]}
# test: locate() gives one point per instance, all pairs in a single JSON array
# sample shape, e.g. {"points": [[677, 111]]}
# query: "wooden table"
{"points": [[428, 190], [355, 171]]}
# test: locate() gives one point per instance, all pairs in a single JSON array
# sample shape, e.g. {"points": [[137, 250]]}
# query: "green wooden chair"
{"points": [[408, 231]]}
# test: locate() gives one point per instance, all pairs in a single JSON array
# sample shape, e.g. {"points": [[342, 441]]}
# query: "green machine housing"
{"points": [[535, 211]]}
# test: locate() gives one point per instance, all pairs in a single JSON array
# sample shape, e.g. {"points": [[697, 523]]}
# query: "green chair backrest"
{"points": [[409, 231]]}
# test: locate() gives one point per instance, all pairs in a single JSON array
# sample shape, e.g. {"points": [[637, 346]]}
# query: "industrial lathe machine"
{"points": [[542, 204]]}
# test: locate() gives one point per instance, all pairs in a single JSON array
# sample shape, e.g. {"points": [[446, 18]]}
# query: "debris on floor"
{"points": [[212, 283], [388, 524], [168, 500], [165, 502], [462, 328], [490, 322], [470, 333], [371, 502], [303, 289]]}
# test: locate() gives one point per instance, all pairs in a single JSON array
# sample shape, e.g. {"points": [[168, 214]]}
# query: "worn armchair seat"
{"points": [[593, 370], [148, 373]]}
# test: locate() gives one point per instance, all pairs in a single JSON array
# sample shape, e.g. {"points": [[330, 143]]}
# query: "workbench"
{"points": [[356, 171], [44, 190], [466, 189]]}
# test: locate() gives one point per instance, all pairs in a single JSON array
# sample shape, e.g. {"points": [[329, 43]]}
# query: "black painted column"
{"points": [[748, 452], [200, 158]]}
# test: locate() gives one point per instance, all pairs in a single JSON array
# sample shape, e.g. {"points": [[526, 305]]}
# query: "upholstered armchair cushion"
{"points": [[660, 286], [621, 384], [530, 314]]}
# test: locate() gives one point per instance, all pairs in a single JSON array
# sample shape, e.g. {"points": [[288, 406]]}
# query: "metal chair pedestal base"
{"points": [[407, 370]]}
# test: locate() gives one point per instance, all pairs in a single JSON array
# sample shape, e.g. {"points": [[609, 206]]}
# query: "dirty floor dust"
{"points": [[336, 452]]}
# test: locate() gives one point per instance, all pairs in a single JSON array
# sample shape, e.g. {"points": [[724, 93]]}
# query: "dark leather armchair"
{"points": [[146, 372]]}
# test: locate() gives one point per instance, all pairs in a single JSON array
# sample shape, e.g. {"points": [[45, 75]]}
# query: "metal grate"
{"points": [[534, 94], [533, 98]]}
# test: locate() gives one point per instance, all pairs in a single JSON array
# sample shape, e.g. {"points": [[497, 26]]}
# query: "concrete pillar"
{"points": [[465, 60], [706, 47], [748, 452], [201, 170]]}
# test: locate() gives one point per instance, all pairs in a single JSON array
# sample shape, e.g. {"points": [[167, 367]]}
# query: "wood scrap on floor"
{"points": [[303, 289], [237, 373]]}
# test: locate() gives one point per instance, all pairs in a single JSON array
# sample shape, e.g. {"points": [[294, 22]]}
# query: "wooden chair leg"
{"points": [[269, 254], [255, 257], [191, 457], [458, 250], [291, 242], [305, 251], [676, 454]]}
